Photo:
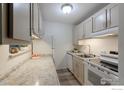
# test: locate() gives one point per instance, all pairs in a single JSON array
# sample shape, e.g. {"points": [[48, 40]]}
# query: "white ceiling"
{"points": [[81, 11]]}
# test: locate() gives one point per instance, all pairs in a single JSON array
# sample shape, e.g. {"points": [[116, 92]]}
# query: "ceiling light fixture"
{"points": [[67, 8]]}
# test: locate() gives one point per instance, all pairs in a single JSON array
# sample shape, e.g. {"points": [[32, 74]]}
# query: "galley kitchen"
{"points": [[61, 44]]}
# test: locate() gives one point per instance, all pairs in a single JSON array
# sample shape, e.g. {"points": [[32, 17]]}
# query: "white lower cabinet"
{"points": [[78, 69], [86, 81]]}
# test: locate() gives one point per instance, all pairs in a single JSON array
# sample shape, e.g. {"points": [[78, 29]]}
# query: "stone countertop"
{"points": [[33, 72]]}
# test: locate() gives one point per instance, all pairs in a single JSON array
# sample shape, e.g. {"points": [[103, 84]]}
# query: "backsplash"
{"points": [[100, 44]]}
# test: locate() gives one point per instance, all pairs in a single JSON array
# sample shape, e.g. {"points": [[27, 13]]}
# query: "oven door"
{"points": [[96, 76]]}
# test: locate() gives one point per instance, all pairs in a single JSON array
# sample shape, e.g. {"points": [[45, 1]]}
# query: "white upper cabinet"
{"points": [[21, 21], [40, 23], [18, 20], [99, 20], [112, 15], [75, 35], [15, 24], [88, 27], [105, 21], [35, 19], [80, 31], [37, 28]]}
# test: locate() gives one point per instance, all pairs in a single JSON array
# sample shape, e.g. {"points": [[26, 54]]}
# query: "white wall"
{"points": [[62, 37], [41, 47], [102, 44], [121, 43], [6, 64]]}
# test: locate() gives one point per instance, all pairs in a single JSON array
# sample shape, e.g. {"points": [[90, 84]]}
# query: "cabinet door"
{"points": [[35, 20], [112, 15], [75, 66], [80, 31], [19, 21], [41, 33], [69, 62], [99, 21], [85, 73], [88, 28], [81, 71], [78, 69], [75, 36]]}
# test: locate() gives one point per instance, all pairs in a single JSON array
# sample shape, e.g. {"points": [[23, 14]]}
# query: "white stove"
{"points": [[109, 61], [103, 71]]}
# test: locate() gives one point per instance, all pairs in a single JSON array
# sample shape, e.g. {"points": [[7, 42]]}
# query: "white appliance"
{"points": [[109, 58], [69, 62], [104, 72]]}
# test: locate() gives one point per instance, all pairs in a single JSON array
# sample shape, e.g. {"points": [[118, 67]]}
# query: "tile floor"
{"points": [[66, 77]]}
